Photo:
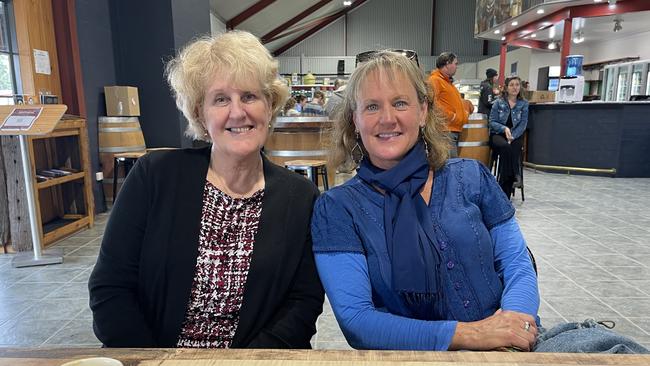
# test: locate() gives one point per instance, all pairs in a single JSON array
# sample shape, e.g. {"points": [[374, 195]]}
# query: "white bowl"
{"points": [[95, 361]]}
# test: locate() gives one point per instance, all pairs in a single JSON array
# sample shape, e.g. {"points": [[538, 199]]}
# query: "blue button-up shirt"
{"points": [[466, 203]]}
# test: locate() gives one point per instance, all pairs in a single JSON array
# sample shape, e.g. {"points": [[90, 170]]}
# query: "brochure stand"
{"points": [[24, 121]]}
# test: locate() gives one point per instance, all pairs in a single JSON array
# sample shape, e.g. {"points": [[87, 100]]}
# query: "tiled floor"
{"points": [[590, 236]]}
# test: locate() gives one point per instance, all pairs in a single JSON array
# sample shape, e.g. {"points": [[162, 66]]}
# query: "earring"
{"points": [[426, 145], [357, 152]]}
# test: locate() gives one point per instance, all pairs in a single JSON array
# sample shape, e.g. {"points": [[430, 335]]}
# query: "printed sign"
{"points": [[42, 62], [21, 119]]}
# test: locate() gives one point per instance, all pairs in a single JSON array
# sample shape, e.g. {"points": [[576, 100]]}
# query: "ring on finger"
{"points": [[526, 326]]}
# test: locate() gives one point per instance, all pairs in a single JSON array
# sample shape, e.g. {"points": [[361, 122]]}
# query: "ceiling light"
{"points": [[540, 11], [503, 38], [533, 35], [552, 46], [578, 37], [515, 23], [617, 24], [347, 3], [497, 31], [598, 1]]}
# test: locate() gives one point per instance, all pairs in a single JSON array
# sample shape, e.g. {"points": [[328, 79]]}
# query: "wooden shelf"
{"points": [[57, 134], [63, 227], [60, 180]]}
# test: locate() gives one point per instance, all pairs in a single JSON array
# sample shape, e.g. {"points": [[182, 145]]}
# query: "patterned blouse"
{"points": [[226, 238]]}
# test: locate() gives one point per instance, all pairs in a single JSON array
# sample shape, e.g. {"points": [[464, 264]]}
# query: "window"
{"points": [[9, 83]]}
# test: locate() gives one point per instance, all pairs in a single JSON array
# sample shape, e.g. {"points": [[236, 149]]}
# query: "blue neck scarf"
{"points": [[415, 261]]}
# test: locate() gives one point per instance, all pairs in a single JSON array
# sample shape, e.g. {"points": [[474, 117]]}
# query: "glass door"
{"points": [[610, 83], [623, 84], [637, 80]]}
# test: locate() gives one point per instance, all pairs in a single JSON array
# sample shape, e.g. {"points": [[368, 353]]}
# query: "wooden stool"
{"points": [[311, 168], [126, 160]]}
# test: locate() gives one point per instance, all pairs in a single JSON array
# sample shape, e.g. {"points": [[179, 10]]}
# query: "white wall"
{"points": [[541, 59], [631, 46], [216, 25], [521, 56]]}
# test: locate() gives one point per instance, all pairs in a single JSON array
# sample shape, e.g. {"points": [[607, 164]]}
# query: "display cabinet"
{"points": [[62, 179], [625, 80], [471, 88]]}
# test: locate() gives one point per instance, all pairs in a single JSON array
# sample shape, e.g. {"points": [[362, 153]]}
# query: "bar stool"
{"points": [[494, 167], [126, 160], [311, 168]]}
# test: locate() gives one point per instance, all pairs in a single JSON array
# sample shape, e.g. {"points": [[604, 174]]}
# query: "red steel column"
{"points": [[566, 44], [502, 62]]}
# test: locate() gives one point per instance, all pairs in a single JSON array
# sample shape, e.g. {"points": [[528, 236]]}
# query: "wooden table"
{"points": [[204, 357]]}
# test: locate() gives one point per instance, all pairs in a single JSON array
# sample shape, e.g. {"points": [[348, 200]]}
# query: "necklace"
{"points": [[220, 183]]}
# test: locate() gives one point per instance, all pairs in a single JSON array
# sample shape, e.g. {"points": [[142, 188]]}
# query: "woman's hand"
{"points": [[503, 329], [508, 135]]}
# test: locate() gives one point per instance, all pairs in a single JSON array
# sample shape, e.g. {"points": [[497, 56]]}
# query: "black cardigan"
{"points": [[141, 284]]}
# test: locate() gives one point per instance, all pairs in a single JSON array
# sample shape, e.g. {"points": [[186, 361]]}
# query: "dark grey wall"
{"points": [[143, 38], [125, 42], [98, 68], [191, 19]]}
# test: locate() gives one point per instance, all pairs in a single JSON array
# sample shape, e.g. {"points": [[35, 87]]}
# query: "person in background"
{"points": [[467, 104], [417, 252], [489, 92], [301, 101], [508, 121], [290, 108], [315, 106], [447, 98], [211, 247], [337, 96]]}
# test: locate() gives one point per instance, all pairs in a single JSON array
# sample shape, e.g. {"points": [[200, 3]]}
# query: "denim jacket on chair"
{"points": [[499, 117]]}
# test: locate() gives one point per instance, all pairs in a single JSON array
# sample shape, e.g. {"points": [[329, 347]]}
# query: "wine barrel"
{"points": [[117, 135], [474, 141], [300, 138]]}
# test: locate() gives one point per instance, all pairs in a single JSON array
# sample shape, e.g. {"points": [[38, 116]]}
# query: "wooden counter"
{"points": [[205, 357], [296, 138]]}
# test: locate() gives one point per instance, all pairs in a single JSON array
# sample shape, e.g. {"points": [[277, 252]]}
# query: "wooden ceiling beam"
{"points": [[308, 25], [286, 25], [327, 20], [252, 10]]}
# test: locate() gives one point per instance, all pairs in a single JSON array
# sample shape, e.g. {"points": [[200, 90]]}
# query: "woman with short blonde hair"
{"points": [[237, 54], [211, 247]]}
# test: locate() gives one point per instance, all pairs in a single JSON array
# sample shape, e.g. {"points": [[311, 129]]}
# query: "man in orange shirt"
{"points": [[447, 98]]}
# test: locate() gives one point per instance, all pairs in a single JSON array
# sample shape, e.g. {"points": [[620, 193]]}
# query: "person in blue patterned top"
{"points": [[418, 252]]}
